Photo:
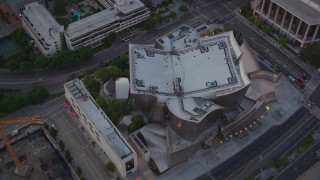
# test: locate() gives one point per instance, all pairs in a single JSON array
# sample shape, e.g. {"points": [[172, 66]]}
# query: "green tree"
{"points": [[121, 62], [78, 170], [46, 126], [282, 41], [110, 166], [14, 61], [61, 145], [183, 8], [284, 160], [311, 54], [123, 127], [60, 8], [258, 23], [102, 103], [266, 28], [172, 14], [159, 19], [250, 178], [25, 66], [2, 62], [270, 164], [149, 23], [110, 39], [245, 9], [106, 73], [68, 156], [137, 122], [251, 19], [92, 85], [217, 30], [53, 133]]}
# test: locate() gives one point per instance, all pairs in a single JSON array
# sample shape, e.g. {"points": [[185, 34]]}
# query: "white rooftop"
{"points": [[92, 22], [206, 67], [99, 119], [183, 37], [41, 20]]}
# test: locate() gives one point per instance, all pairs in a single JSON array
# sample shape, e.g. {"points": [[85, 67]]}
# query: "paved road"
{"points": [[254, 150], [302, 164]]}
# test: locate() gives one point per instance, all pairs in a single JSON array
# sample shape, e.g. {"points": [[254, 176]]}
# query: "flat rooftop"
{"points": [[126, 6], [208, 66], [41, 19], [183, 37], [98, 118], [307, 10], [90, 23]]}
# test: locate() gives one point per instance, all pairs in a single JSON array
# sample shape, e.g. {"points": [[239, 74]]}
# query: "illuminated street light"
{"points": [[267, 108]]}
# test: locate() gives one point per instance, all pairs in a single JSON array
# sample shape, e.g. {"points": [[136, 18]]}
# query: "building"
{"points": [[194, 88], [297, 20], [46, 33], [118, 16], [101, 128], [17, 6]]}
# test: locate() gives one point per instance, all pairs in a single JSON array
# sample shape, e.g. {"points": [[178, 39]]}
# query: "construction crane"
{"points": [[20, 169]]}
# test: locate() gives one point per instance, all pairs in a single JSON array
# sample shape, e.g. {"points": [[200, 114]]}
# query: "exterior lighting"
{"points": [[267, 108]]}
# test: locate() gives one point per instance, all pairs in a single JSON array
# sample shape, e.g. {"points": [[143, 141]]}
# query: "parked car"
{"points": [[292, 78]]}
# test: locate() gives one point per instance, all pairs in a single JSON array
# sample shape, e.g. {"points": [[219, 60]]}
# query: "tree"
{"points": [[258, 23], [46, 126], [266, 28], [311, 54], [61, 145], [149, 23], [137, 122], [284, 160], [172, 14], [110, 166], [92, 85], [282, 41], [270, 164], [25, 66], [159, 19], [183, 8], [217, 30], [60, 8], [53, 133], [102, 103], [245, 9], [121, 62], [2, 62], [106, 73], [68, 156], [78, 170], [250, 18], [110, 39], [14, 61], [123, 127]]}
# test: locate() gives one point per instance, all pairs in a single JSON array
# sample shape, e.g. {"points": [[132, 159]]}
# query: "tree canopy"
{"points": [[13, 102], [282, 41], [137, 122], [311, 54], [183, 8], [92, 85], [245, 9]]}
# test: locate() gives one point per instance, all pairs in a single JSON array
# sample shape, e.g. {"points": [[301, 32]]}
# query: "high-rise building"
{"points": [[101, 128], [297, 20], [46, 33]]}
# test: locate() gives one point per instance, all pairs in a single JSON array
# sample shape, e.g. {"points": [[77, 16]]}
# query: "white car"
{"points": [[292, 78]]}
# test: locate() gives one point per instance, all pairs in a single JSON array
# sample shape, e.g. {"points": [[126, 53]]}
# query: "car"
{"points": [[292, 78], [67, 104]]}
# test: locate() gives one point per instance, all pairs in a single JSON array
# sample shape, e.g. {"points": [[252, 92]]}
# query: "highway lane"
{"points": [[300, 165], [253, 151]]}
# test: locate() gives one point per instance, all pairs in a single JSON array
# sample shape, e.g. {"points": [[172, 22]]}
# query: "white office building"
{"points": [[100, 127], [118, 16], [43, 29], [17, 6]]}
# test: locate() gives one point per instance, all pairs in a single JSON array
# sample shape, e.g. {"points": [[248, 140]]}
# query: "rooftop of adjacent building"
{"points": [[42, 20], [307, 10], [98, 118], [102, 18]]}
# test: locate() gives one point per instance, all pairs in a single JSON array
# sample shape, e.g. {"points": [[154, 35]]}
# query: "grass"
{"points": [[63, 21]]}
